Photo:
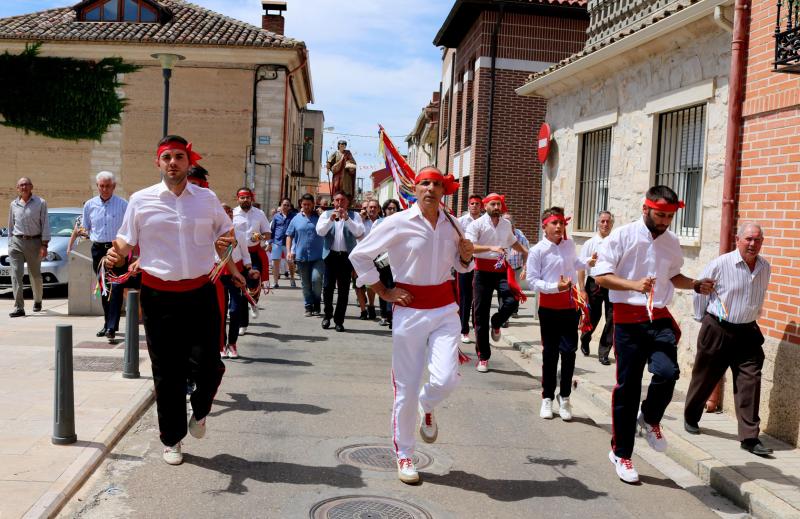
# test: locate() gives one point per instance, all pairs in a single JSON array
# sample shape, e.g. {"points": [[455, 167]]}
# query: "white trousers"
{"points": [[421, 338]]}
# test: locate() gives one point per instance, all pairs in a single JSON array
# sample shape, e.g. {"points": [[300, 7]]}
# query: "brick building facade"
{"points": [[531, 36]]}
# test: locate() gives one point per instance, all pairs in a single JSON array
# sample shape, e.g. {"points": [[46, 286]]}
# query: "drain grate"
{"points": [[367, 507], [378, 457], [97, 364]]}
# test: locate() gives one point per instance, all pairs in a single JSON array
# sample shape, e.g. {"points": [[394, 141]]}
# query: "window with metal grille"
{"points": [[680, 155], [468, 122], [593, 182]]}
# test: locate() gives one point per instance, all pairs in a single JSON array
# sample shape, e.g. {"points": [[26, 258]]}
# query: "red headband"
{"points": [[475, 197], [244, 192], [448, 181], [495, 197], [667, 208], [177, 145], [557, 218]]}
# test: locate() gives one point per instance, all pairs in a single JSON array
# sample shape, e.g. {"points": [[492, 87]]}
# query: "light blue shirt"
{"points": [[102, 219], [306, 243]]}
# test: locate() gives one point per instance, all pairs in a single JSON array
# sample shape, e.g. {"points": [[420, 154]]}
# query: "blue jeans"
{"points": [[311, 273]]}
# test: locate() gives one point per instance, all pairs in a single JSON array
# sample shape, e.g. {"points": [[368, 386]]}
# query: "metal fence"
{"points": [[593, 182], [681, 152]]}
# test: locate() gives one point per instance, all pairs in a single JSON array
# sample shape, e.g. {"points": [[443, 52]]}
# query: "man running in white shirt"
{"points": [[640, 264], [474, 206], [423, 244], [595, 295], [252, 221], [551, 271], [492, 235]]}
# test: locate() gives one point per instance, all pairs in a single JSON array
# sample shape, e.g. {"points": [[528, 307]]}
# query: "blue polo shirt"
{"points": [[307, 244], [280, 224]]}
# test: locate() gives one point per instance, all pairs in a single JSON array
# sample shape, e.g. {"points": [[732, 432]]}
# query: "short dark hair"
{"points": [[342, 141], [475, 195], [168, 138], [309, 197], [391, 201], [198, 171], [552, 211], [287, 199], [656, 193], [340, 192]]}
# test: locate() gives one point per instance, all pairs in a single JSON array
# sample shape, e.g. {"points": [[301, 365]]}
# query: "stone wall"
{"points": [[700, 53]]}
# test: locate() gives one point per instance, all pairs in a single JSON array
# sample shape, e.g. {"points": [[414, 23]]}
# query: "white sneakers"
{"points": [[496, 334], [233, 353], [172, 455], [653, 434], [243, 330], [624, 467], [465, 338], [406, 471], [428, 429], [564, 408], [197, 428], [253, 312], [482, 366], [546, 411]]}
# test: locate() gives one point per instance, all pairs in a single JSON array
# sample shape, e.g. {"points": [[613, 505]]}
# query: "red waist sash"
{"points": [[634, 314], [184, 285], [557, 301], [239, 267], [488, 265], [262, 255], [430, 296]]}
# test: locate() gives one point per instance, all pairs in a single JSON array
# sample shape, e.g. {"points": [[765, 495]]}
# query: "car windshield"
{"points": [[61, 224]]}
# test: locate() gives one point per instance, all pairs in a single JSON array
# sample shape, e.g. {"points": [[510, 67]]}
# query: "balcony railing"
{"points": [[609, 17], [787, 37]]}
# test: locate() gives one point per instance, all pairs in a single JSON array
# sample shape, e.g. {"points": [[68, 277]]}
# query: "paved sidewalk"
{"points": [[37, 477], [768, 488]]}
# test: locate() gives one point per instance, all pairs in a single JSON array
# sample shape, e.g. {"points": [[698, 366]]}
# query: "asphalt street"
{"points": [[304, 412]]}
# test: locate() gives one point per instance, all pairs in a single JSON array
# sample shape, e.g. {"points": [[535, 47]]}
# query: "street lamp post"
{"points": [[167, 62]]}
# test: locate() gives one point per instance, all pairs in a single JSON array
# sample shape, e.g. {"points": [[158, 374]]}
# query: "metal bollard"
{"points": [[64, 405], [131, 361]]}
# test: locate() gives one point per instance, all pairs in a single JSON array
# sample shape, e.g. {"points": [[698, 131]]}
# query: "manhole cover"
{"points": [[367, 507], [98, 364], [378, 457]]}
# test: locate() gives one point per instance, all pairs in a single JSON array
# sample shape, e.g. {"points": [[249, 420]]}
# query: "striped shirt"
{"points": [[741, 290], [515, 257], [29, 219], [102, 219]]}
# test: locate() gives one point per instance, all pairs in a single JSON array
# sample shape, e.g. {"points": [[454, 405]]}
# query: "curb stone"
{"points": [[759, 501]]}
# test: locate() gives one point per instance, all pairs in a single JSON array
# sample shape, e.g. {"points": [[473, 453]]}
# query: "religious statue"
{"points": [[343, 166]]}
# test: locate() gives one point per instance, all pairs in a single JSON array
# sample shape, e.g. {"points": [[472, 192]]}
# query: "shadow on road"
{"points": [[285, 337], [516, 373], [282, 362], [242, 402], [240, 470], [515, 489]]}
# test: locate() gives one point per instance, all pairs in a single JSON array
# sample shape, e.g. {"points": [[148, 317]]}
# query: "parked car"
{"points": [[54, 265]]}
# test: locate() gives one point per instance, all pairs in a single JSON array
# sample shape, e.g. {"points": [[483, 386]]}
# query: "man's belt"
{"points": [[729, 325], [103, 244], [489, 265], [183, 285], [26, 237], [427, 297]]}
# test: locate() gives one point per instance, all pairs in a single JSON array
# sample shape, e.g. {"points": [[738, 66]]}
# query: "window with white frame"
{"points": [[680, 159], [593, 180]]}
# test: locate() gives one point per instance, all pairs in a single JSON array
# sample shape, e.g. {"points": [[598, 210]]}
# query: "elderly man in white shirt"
{"points": [[640, 264], [423, 243], [178, 226], [491, 236], [730, 336], [474, 209], [595, 295]]}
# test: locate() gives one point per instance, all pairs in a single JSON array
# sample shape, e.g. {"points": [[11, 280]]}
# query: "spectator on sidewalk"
{"points": [[389, 207], [277, 244], [515, 259], [340, 227], [305, 247], [730, 336], [595, 295], [475, 206], [366, 297], [28, 236], [640, 263], [102, 218]]}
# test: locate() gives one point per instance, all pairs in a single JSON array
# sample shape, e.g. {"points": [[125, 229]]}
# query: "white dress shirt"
{"points": [[369, 224], [483, 232], [175, 234], [418, 253], [240, 252], [630, 252], [466, 219], [741, 290], [353, 223], [548, 262], [589, 247], [250, 221]]}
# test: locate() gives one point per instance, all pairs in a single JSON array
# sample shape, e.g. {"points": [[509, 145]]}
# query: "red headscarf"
{"points": [[245, 192], [494, 197], [557, 218], [177, 145], [666, 207], [431, 173]]}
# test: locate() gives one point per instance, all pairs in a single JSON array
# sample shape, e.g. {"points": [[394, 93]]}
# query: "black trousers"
{"points": [[636, 345], [484, 285], [721, 345], [183, 337], [236, 305], [338, 272], [465, 299], [388, 281], [598, 301], [112, 306], [255, 260], [559, 329]]}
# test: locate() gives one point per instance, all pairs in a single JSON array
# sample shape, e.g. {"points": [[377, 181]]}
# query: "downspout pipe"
{"points": [[733, 143], [492, 79]]}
